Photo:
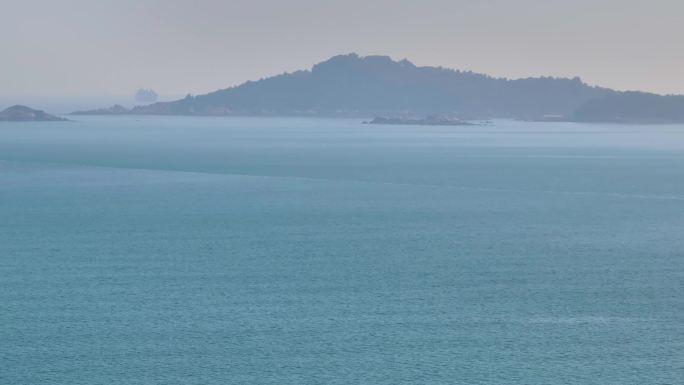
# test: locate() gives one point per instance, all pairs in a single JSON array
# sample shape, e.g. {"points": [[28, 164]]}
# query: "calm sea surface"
{"points": [[162, 250]]}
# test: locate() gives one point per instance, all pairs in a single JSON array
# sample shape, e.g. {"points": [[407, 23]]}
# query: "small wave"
{"points": [[593, 320]]}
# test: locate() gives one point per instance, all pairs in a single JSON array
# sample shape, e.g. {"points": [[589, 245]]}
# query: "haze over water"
{"points": [[179, 250]]}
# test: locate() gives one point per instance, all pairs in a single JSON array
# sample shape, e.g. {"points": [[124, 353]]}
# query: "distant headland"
{"points": [[113, 110], [20, 113], [355, 86]]}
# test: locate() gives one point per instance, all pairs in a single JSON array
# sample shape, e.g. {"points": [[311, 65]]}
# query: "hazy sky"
{"points": [[97, 47]]}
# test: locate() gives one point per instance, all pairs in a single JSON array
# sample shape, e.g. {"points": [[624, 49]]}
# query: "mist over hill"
{"points": [[350, 85]]}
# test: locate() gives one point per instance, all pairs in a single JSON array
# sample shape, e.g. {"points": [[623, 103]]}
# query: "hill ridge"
{"points": [[375, 85]]}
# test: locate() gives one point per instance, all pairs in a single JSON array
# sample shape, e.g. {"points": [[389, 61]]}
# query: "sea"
{"points": [[207, 250]]}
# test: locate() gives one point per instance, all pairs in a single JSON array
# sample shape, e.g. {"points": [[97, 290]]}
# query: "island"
{"points": [[433, 120], [357, 86], [20, 113]]}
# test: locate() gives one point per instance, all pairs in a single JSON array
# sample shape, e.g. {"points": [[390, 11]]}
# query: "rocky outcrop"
{"points": [[113, 110], [434, 120], [25, 114]]}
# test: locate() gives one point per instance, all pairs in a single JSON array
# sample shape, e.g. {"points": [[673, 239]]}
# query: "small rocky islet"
{"points": [[433, 120], [19, 113]]}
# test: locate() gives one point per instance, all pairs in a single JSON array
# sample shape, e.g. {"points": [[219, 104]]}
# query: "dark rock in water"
{"points": [[113, 110], [25, 114], [547, 118], [435, 120]]}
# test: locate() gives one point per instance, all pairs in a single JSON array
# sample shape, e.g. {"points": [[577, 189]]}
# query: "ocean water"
{"points": [[162, 250]]}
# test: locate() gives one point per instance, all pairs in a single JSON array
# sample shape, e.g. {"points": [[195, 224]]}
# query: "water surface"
{"points": [[162, 250]]}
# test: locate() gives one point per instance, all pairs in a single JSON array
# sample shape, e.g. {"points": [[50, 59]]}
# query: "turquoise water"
{"points": [[304, 251]]}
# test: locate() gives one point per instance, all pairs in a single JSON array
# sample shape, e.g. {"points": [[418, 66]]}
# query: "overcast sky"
{"points": [[97, 47]]}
